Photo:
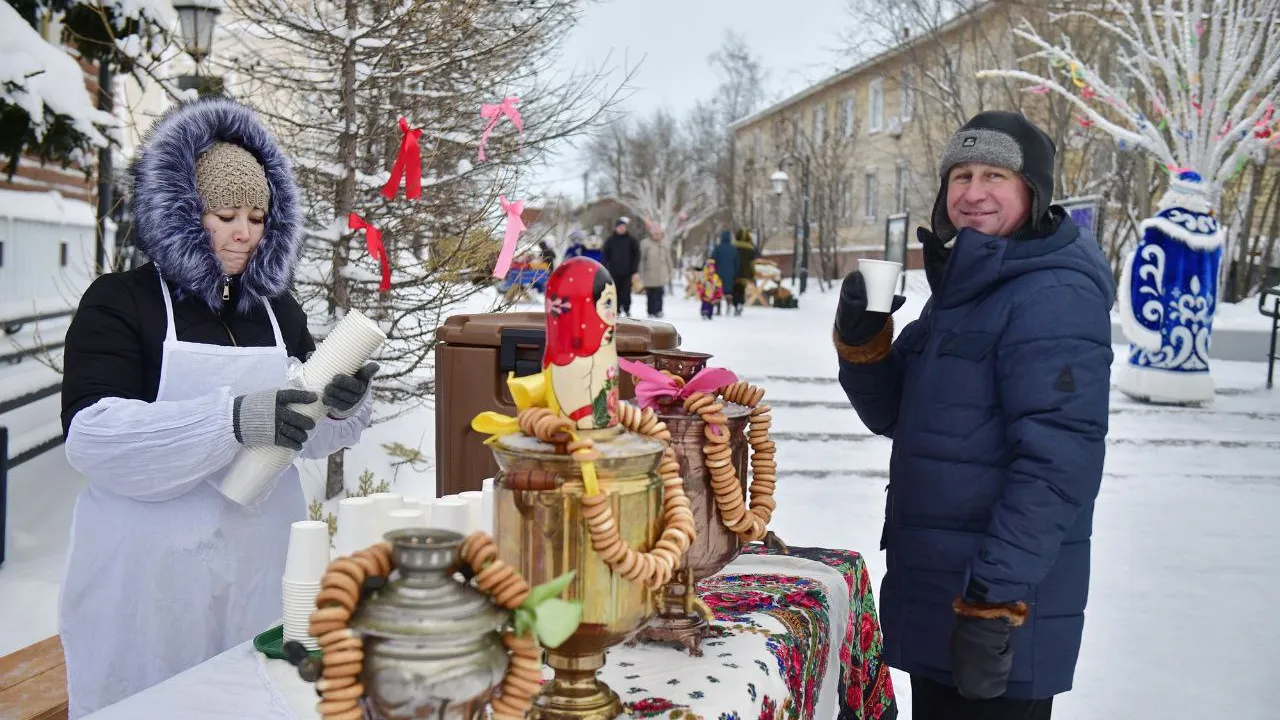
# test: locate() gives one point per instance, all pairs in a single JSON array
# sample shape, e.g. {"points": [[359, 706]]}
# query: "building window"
{"points": [[62, 255], [819, 123], [875, 106], [847, 117], [871, 196], [901, 183], [907, 96], [1, 253]]}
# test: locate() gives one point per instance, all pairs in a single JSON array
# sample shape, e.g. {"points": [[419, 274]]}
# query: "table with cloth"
{"points": [[795, 637]]}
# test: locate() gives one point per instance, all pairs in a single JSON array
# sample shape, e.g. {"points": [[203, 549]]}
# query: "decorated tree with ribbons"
{"points": [[404, 127], [1196, 90]]}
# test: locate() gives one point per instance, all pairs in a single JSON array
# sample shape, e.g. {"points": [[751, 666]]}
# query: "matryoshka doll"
{"points": [[581, 360]]}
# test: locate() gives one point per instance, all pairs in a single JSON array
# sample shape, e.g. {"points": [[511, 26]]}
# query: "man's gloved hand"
{"points": [[265, 418], [981, 658], [854, 323], [344, 392]]}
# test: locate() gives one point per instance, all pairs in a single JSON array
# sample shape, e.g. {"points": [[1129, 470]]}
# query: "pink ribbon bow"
{"points": [[515, 226], [652, 385], [408, 165], [494, 113]]}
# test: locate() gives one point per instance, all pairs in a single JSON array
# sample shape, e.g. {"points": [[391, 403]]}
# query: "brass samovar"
{"points": [[539, 520], [681, 618]]}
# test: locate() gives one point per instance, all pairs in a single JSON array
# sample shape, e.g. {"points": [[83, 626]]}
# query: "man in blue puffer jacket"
{"points": [[996, 399]]}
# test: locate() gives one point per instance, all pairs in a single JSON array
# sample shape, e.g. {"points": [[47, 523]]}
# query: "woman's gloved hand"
{"points": [[344, 392], [265, 418], [854, 323]]}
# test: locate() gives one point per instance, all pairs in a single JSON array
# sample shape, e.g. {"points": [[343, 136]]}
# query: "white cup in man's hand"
{"points": [[881, 278]]}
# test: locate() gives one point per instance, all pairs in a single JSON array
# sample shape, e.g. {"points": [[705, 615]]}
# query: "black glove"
{"points": [[854, 323], [344, 392], [981, 658], [265, 418]]}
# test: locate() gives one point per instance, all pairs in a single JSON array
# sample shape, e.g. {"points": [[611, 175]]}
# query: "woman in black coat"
{"points": [[170, 370]]}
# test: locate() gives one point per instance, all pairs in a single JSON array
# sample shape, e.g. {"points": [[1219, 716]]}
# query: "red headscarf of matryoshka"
{"points": [[581, 311]]}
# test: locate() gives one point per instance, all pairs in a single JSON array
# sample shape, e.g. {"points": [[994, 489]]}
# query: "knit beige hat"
{"points": [[229, 176]]}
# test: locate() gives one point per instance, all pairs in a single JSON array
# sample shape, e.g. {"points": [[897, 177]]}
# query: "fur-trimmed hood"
{"points": [[167, 209]]}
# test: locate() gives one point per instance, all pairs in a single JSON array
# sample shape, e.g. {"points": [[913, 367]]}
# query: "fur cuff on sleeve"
{"points": [[873, 351], [1013, 613]]}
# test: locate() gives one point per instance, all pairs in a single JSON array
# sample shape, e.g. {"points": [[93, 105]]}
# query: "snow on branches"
{"points": [[671, 205], [1197, 82]]}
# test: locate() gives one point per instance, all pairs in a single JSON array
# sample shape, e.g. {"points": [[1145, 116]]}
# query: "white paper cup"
{"points": [[475, 509], [405, 518], [385, 503], [451, 513], [425, 506], [881, 277], [358, 525], [308, 553], [486, 505]]}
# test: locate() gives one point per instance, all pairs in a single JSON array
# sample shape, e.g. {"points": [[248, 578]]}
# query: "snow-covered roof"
{"points": [[47, 207], [35, 74]]}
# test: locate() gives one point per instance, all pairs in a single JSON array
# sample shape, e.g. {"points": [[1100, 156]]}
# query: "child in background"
{"points": [[710, 289]]}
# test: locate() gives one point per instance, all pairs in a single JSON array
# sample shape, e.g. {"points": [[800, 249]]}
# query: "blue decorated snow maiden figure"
{"points": [[1168, 295]]}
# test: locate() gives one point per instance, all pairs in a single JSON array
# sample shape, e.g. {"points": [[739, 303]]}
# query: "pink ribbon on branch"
{"points": [[377, 251], [515, 226], [652, 385], [408, 165], [494, 113]]}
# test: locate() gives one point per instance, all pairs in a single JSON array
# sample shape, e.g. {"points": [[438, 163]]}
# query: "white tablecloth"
{"points": [[241, 683]]}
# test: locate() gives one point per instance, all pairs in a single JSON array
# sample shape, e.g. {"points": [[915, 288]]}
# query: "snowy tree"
{"points": [[1198, 83], [46, 111], [334, 79], [1196, 90], [670, 205]]}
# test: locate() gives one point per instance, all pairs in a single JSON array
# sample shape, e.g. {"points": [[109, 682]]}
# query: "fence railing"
{"points": [[1274, 313], [41, 445]]}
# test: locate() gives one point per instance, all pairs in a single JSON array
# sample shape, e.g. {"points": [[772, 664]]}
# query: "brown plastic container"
{"points": [[474, 353]]}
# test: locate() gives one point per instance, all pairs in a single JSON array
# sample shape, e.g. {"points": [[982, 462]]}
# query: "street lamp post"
{"points": [[804, 258], [196, 20], [800, 246]]}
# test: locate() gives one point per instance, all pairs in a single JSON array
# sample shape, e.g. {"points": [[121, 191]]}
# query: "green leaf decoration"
{"points": [[524, 621], [556, 620], [548, 590]]}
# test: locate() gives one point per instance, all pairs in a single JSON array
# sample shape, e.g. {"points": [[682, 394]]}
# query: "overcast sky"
{"points": [[797, 41]]}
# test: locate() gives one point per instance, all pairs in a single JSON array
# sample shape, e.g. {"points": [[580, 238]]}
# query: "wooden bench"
{"points": [[33, 682]]}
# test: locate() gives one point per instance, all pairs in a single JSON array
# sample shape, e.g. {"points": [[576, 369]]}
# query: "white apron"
{"points": [[153, 588]]}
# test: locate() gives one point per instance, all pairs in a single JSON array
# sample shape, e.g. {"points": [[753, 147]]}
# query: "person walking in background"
{"points": [[710, 289], [622, 259], [547, 254], [746, 274], [582, 245], [996, 399], [655, 271], [725, 256]]}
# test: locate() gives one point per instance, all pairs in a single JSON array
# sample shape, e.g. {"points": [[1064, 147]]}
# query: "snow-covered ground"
{"points": [[1182, 620]]}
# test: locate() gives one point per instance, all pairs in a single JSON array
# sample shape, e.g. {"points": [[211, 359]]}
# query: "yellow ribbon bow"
{"points": [[530, 391]]}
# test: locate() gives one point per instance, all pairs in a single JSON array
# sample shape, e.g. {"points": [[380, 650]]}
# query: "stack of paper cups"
{"points": [[425, 506], [344, 351], [385, 503], [358, 525], [451, 513], [475, 510], [486, 505], [405, 518], [304, 566]]}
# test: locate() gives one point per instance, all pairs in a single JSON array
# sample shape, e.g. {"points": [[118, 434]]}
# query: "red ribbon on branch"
{"points": [[408, 165], [378, 251]]}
